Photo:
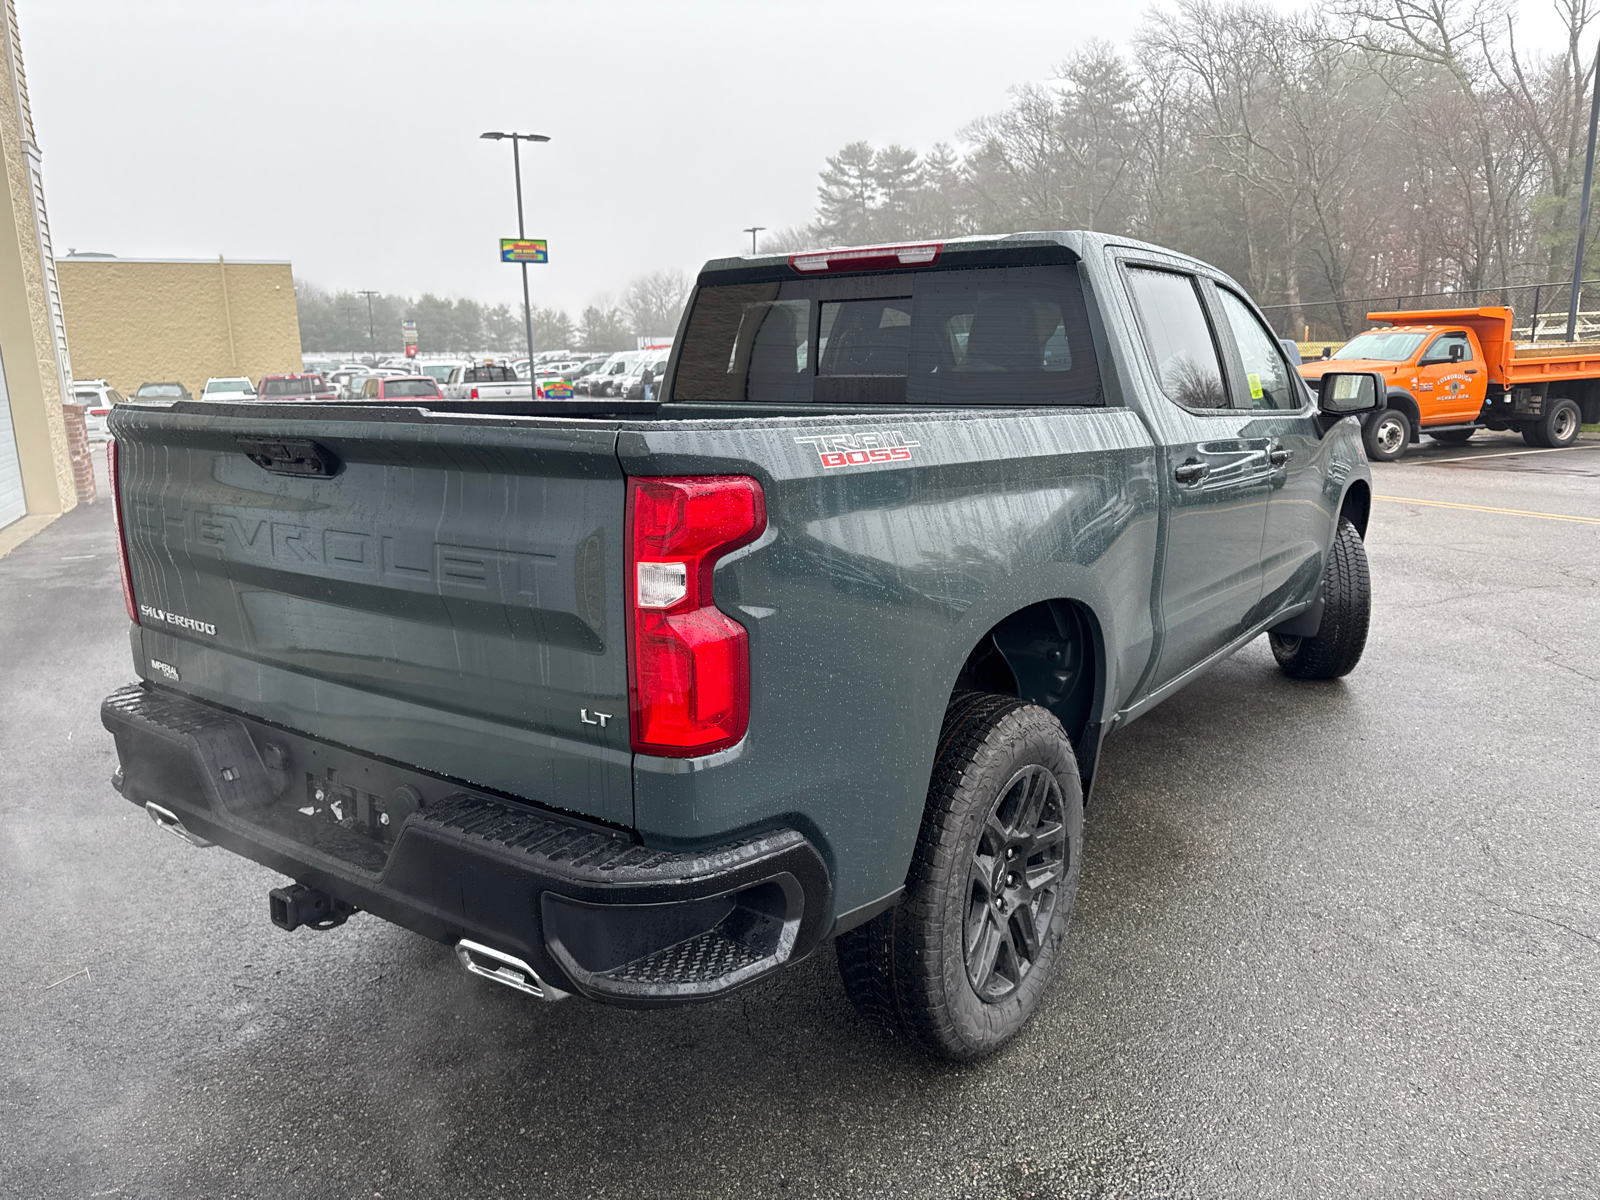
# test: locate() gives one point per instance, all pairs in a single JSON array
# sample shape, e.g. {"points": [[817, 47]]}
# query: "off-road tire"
{"points": [[1387, 434], [1336, 647], [1560, 424], [907, 970], [1453, 437]]}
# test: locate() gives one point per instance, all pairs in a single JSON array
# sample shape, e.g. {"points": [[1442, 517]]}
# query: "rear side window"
{"points": [[1000, 335], [1178, 337]]}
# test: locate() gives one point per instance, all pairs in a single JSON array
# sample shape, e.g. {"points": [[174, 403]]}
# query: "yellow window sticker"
{"points": [[1255, 385]]}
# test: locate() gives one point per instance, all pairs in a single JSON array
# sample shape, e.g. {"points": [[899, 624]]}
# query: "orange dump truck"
{"points": [[1453, 371]]}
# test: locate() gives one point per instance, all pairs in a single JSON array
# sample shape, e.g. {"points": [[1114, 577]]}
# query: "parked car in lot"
{"points": [[162, 391], [346, 381], [603, 381], [486, 381], [401, 387], [96, 397], [648, 707], [1453, 371], [229, 388], [641, 376], [282, 389]]}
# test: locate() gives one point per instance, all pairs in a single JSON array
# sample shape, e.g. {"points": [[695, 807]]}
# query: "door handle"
{"points": [[1191, 472], [1472, 370], [1278, 455]]}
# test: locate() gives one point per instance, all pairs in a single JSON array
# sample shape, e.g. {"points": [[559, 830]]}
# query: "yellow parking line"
{"points": [[1509, 512]]}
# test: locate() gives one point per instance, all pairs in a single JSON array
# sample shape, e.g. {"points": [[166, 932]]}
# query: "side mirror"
{"points": [[1345, 393]]}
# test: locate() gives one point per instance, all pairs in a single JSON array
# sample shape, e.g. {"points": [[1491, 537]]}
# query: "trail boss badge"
{"points": [[859, 449]]}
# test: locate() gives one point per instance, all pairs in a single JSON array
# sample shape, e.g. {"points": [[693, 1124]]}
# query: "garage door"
{"points": [[12, 504]]}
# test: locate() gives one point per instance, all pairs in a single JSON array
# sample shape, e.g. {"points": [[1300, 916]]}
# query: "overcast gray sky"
{"points": [[343, 134]]}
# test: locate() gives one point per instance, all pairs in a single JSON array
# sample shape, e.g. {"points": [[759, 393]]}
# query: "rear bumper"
{"points": [[588, 907]]}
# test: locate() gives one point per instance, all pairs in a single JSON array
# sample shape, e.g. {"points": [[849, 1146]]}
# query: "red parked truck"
{"points": [[1453, 371]]}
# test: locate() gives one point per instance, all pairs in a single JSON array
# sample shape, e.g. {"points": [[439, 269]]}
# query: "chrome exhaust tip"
{"points": [[505, 968], [168, 820]]}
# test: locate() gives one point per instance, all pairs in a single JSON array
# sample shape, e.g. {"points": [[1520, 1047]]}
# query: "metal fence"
{"points": [[1540, 311]]}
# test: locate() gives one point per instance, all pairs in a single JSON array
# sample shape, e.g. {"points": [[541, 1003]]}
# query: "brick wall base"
{"points": [[82, 456]]}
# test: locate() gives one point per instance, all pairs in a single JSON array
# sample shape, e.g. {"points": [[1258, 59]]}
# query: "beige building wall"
{"points": [[137, 320], [33, 350]]}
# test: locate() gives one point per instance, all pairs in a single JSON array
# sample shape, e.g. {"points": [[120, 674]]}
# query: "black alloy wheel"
{"points": [[1014, 882], [961, 962]]}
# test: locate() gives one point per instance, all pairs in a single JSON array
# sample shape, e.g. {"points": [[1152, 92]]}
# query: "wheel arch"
{"points": [[1357, 505], [1398, 397], [1051, 653]]}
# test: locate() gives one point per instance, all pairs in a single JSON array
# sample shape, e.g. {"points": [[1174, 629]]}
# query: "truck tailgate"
{"points": [[447, 596]]}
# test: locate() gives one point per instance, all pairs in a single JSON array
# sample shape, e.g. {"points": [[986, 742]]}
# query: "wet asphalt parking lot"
{"points": [[1331, 939]]}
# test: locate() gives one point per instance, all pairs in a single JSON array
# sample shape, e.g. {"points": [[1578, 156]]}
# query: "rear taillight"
{"points": [[689, 663], [124, 568], [99, 412], [474, 395]]}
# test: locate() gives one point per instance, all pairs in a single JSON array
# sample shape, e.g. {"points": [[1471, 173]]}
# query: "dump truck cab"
{"points": [[1451, 372]]}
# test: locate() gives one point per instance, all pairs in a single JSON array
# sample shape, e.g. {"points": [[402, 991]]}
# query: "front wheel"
{"points": [[1336, 647], [959, 964], [1388, 435]]}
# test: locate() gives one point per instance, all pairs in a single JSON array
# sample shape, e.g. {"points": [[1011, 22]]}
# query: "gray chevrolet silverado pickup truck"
{"points": [[644, 701]]}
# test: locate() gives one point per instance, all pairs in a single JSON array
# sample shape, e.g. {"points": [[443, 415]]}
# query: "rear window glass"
{"points": [[489, 374], [285, 387], [160, 389], [1000, 335], [410, 387]]}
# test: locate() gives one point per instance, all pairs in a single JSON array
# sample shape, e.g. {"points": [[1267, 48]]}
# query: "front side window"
{"points": [[1179, 337], [1439, 351], [1266, 375]]}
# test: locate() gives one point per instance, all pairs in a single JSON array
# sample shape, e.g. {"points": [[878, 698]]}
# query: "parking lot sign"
{"points": [[524, 250]]}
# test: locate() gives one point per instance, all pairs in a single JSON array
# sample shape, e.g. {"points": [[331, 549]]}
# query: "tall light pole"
{"points": [[752, 231], [372, 339], [516, 162], [1583, 204]]}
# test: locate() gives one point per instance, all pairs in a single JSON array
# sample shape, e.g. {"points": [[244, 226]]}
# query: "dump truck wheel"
{"points": [[1560, 424], [1387, 435]]}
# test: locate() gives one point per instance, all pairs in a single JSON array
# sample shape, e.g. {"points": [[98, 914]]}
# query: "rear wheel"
{"points": [[959, 964], [1560, 424], [1336, 647], [1453, 437], [1531, 436], [1387, 435]]}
